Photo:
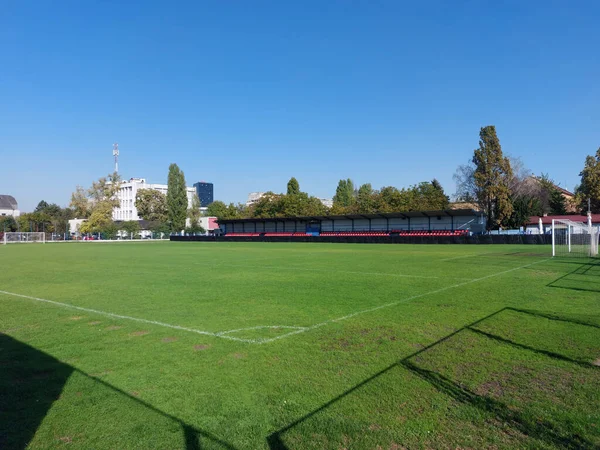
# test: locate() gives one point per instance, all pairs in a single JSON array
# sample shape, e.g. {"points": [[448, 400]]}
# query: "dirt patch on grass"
{"points": [[201, 347], [66, 439], [76, 318], [597, 362], [113, 327], [139, 333], [239, 355], [490, 389], [361, 338], [95, 322], [169, 339], [135, 393]]}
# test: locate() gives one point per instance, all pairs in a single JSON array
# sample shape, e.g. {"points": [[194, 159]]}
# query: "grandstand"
{"points": [[454, 222]]}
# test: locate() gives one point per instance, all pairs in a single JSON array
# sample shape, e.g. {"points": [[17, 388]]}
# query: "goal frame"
{"points": [[590, 242], [29, 235]]}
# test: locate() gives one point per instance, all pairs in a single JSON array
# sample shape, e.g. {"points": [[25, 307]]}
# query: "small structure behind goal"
{"points": [[17, 237], [574, 239]]}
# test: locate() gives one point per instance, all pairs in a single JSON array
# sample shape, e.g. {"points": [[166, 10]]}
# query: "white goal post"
{"points": [[574, 239], [17, 237]]}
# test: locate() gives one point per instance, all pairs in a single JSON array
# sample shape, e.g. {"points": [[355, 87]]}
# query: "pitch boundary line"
{"points": [[297, 329]]}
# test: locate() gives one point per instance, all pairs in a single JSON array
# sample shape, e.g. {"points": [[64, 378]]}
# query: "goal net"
{"points": [[24, 238], [574, 239]]}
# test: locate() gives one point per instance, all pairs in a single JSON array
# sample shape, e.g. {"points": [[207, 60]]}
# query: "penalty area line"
{"points": [[389, 305], [135, 319]]}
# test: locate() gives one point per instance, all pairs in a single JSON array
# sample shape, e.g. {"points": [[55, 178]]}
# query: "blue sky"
{"points": [[248, 94]]}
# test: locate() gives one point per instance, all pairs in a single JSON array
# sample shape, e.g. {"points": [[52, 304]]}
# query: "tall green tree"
{"points": [[177, 203], [590, 184], [194, 215], [344, 194], [293, 187], [365, 200], [151, 205], [491, 177], [557, 203]]}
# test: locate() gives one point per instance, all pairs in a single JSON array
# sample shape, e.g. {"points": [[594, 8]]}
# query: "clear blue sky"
{"points": [[247, 94]]}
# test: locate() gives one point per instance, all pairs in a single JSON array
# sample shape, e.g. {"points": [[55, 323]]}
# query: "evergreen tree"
{"points": [[177, 203], [590, 184], [491, 176], [557, 203], [293, 187]]}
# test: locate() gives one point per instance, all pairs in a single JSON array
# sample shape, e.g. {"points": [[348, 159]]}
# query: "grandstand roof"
{"points": [[393, 215], [8, 202]]}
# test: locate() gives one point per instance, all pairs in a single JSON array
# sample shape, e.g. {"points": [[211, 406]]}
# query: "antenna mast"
{"points": [[116, 155]]}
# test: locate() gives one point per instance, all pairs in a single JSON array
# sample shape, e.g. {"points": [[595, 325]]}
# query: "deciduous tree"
{"points": [[80, 203], [344, 194], [151, 205], [194, 215]]}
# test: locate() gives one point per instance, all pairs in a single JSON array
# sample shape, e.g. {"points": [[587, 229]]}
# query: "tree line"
{"points": [[164, 213], [490, 181], [500, 186]]}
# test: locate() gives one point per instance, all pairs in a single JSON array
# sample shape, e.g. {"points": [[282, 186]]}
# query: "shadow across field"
{"points": [[31, 381], [535, 427], [585, 277]]}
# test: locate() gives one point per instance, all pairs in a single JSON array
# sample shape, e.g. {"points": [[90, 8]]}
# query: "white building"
{"points": [[9, 206], [128, 191], [253, 197], [327, 202]]}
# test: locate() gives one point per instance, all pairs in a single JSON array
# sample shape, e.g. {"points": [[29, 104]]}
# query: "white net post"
{"points": [[17, 237], [573, 239]]}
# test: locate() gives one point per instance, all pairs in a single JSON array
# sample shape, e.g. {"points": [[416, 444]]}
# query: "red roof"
{"points": [[547, 220]]}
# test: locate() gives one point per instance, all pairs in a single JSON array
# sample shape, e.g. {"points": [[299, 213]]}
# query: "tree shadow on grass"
{"points": [[538, 428], [31, 381]]}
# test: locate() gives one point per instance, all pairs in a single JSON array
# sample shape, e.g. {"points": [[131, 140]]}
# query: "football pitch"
{"points": [[297, 346]]}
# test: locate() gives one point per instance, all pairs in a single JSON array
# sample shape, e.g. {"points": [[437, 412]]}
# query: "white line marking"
{"points": [[408, 299], [297, 329], [260, 327], [119, 316]]}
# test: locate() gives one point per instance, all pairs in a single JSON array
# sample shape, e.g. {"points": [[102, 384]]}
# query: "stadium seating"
{"points": [[430, 233], [426, 233], [354, 233]]}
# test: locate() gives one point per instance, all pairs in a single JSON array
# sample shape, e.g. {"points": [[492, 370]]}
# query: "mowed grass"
{"points": [[334, 346]]}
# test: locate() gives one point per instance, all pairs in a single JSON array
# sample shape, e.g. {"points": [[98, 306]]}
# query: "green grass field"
{"points": [[297, 346]]}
